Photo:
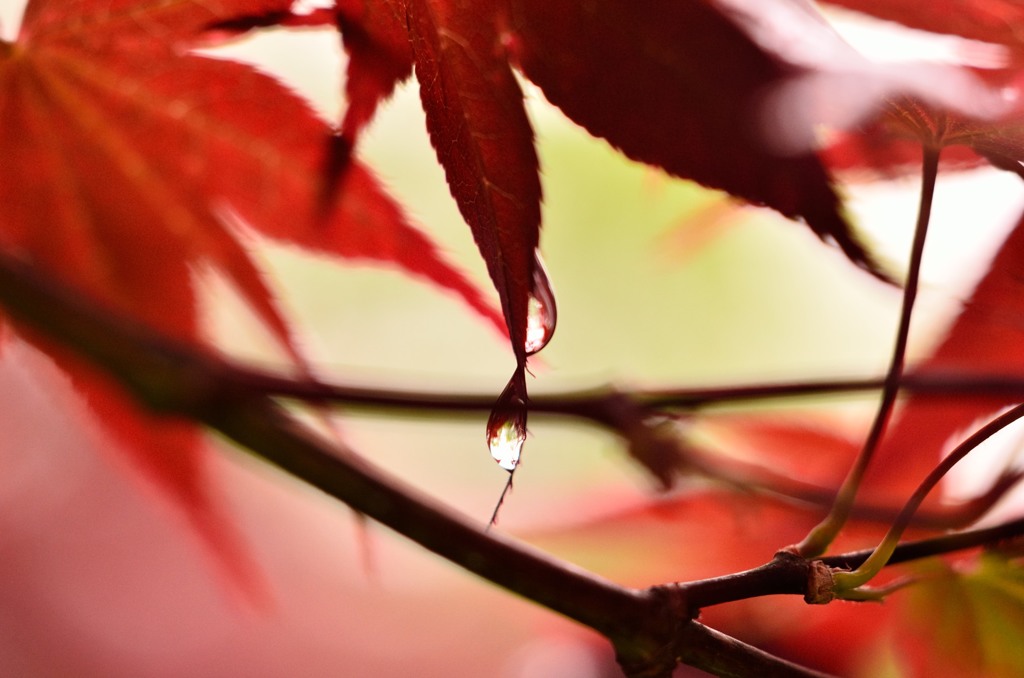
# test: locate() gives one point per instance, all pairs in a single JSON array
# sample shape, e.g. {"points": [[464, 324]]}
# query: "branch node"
{"points": [[821, 585], [671, 614]]}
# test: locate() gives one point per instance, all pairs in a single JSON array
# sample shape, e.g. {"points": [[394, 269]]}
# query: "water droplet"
{"points": [[505, 437], [542, 314], [506, 427]]}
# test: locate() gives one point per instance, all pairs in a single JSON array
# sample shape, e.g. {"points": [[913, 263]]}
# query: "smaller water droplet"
{"points": [[542, 314], [506, 427], [505, 438]]}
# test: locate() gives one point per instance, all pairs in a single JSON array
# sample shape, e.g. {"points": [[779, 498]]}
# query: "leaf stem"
{"points": [[848, 581], [934, 546], [819, 538], [788, 574]]}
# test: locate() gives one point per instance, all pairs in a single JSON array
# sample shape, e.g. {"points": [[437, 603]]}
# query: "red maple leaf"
{"points": [[380, 57], [128, 161], [680, 88], [483, 140], [475, 117], [478, 125], [660, 98]]}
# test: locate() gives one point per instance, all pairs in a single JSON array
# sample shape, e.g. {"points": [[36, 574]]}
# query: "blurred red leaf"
{"points": [[128, 161], [221, 31], [380, 56], [816, 450], [171, 455], [145, 25], [804, 459], [874, 151]]}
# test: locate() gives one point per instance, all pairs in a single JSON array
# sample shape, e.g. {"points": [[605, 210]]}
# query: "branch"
{"points": [[598, 404], [649, 629], [789, 574], [933, 384], [731, 657]]}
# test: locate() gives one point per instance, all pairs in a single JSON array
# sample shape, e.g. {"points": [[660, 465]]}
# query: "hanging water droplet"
{"points": [[542, 314], [506, 427], [506, 443]]}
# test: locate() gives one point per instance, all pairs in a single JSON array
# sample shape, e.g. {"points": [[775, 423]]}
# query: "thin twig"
{"points": [[593, 403], [935, 546], [501, 500], [874, 564], [789, 574], [824, 533], [735, 658]]}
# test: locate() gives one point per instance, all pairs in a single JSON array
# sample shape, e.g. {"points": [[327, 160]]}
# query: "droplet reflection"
{"points": [[542, 315]]}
